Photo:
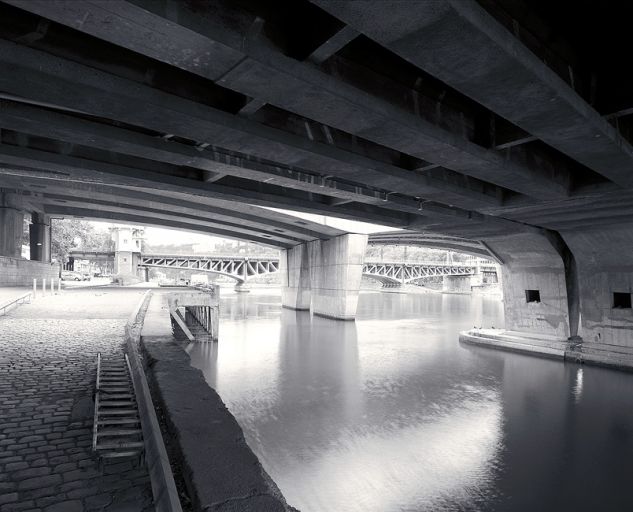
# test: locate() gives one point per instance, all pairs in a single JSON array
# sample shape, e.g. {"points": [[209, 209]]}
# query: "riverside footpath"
{"points": [[48, 352]]}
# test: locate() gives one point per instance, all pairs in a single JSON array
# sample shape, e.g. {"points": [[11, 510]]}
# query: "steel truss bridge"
{"points": [[239, 268], [404, 273], [242, 268]]}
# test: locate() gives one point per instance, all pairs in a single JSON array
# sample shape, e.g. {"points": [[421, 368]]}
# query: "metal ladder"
{"points": [[117, 430]]}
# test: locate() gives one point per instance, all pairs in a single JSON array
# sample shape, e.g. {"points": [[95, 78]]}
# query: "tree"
{"points": [[70, 234]]}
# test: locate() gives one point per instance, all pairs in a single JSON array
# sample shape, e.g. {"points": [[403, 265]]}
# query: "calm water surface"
{"points": [[391, 413]]}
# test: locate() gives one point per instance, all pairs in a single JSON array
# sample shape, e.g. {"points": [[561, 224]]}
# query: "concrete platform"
{"points": [[578, 350], [543, 345], [208, 448]]}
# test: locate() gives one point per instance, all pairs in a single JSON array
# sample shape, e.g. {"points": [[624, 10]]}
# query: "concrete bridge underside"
{"points": [[461, 118]]}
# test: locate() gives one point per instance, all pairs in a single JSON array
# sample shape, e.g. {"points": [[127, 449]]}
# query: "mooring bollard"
{"points": [[34, 288]]}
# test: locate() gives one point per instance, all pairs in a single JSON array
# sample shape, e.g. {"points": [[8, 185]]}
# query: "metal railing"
{"points": [[15, 302]]}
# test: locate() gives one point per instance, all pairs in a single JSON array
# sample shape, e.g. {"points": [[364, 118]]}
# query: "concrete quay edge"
{"points": [[218, 467], [618, 358], [164, 489]]}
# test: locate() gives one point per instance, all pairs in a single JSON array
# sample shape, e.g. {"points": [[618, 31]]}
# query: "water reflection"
{"points": [[390, 413]]}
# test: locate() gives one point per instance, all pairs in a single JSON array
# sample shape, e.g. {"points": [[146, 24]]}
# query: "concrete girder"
{"points": [[139, 219], [260, 219], [254, 68], [70, 85], [57, 126], [160, 213], [496, 70], [433, 241], [40, 164]]}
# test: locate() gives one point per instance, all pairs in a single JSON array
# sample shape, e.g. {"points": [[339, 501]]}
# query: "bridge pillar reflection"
{"points": [[324, 276]]}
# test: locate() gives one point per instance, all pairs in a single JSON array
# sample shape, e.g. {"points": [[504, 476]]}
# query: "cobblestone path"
{"points": [[48, 355]]}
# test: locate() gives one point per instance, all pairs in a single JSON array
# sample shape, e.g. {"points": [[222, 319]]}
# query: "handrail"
{"points": [[4, 306]]}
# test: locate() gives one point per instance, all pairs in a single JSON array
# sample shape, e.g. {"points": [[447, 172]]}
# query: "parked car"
{"points": [[69, 275]]}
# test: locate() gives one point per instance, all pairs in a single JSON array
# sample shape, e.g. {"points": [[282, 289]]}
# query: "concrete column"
{"points": [[294, 269], [456, 284], [604, 269], [336, 268], [534, 284], [40, 238], [11, 226]]}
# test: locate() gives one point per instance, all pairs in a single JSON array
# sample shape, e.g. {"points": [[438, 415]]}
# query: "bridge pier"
{"points": [[538, 295], [11, 224], [294, 267], [324, 276], [456, 284], [605, 287], [40, 238]]}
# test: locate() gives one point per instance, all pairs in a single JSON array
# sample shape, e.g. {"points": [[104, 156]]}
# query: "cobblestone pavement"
{"points": [[48, 355]]}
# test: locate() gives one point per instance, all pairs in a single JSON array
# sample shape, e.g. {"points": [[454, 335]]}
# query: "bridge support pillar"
{"points": [[242, 287], [538, 295], [294, 268], [324, 276], [456, 284], [11, 225], [336, 269], [40, 238], [534, 284], [605, 289]]}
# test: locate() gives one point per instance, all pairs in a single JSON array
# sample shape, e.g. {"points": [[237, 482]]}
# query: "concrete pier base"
{"points": [[324, 276], [456, 284]]}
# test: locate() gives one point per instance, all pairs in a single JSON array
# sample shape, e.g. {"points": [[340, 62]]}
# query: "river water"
{"points": [[391, 413]]}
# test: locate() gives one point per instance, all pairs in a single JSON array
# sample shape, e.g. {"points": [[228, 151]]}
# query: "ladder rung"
{"points": [[117, 412], [119, 432], [104, 402], [117, 455], [115, 395], [119, 421], [117, 446]]}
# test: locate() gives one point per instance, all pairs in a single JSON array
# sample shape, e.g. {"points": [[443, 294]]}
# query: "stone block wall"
{"points": [[20, 272]]}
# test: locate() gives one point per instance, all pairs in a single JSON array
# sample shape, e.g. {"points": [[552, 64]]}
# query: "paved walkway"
{"points": [[8, 293], [47, 369]]}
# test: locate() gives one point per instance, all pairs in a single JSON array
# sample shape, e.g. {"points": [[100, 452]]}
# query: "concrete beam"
{"points": [[496, 70], [106, 95], [29, 162]]}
